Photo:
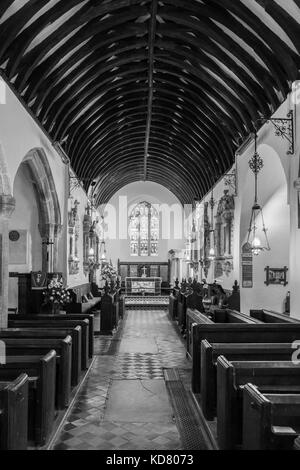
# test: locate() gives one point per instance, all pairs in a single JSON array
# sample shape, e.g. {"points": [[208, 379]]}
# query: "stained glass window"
{"points": [[144, 230]]}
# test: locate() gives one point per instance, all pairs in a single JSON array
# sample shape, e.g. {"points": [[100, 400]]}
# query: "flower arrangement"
{"points": [[108, 273], [56, 295]]}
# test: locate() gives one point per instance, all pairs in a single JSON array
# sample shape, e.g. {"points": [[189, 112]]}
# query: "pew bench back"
{"points": [[54, 324], [238, 333], [268, 316], [270, 421], [53, 333], [14, 414], [231, 316], [278, 377], [62, 318], [40, 347], [41, 372], [233, 352]]}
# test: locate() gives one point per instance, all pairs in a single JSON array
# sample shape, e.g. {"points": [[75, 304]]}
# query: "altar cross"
{"points": [[144, 270]]}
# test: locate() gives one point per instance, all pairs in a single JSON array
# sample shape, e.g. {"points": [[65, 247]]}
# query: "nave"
{"points": [[125, 401]]}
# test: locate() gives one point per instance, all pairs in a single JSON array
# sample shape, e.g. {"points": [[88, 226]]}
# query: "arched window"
{"points": [[144, 230]]}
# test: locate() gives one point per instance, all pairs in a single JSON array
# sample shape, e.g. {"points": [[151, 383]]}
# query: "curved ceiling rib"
{"points": [[163, 90]]}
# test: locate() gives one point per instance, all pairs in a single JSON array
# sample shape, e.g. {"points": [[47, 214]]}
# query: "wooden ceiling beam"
{"points": [[151, 59]]}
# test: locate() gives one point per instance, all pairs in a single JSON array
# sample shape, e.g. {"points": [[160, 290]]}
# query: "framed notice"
{"points": [[276, 276], [247, 267]]}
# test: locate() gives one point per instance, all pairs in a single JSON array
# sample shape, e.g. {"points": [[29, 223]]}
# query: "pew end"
{"points": [[14, 414], [270, 421]]}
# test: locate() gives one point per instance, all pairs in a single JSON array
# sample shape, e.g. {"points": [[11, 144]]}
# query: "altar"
{"points": [[143, 285]]}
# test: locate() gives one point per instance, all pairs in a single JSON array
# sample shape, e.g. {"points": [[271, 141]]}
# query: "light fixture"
{"points": [[188, 250], [212, 253], [103, 251], [257, 237]]}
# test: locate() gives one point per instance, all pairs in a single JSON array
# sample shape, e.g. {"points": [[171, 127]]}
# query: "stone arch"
{"points": [[5, 183], [50, 221], [44, 187], [7, 205]]}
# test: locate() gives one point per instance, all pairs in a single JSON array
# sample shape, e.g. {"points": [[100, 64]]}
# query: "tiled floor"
{"points": [[124, 403]]}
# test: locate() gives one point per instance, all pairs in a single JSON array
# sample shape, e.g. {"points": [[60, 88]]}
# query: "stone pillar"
{"points": [[7, 206], [50, 235], [57, 234]]}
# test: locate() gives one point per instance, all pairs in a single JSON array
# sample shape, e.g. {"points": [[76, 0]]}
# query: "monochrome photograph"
{"points": [[149, 228]]}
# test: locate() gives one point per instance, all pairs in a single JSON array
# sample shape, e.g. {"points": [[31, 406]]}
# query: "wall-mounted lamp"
{"points": [[212, 253], [257, 233]]}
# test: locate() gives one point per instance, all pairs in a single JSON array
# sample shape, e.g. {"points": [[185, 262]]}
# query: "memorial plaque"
{"points": [[18, 247]]}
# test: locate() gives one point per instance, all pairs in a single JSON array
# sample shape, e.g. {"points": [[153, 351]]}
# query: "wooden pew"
{"points": [[224, 316], [238, 333], [270, 421], [233, 352], [268, 316], [297, 444], [41, 333], [270, 377], [41, 371], [14, 413], [194, 317], [173, 301], [56, 324], [231, 316], [61, 318], [109, 313], [173, 305], [182, 309], [40, 347], [84, 304]]}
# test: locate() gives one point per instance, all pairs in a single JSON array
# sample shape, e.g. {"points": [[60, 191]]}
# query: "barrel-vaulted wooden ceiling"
{"points": [[158, 90]]}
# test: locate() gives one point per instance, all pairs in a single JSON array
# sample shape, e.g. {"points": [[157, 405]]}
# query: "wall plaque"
{"points": [[276, 276], [14, 236], [247, 266], [18, 247]]}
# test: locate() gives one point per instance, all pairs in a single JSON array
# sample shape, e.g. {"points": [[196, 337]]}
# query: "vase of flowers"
{"points": [[108, 273], [56, 296]]}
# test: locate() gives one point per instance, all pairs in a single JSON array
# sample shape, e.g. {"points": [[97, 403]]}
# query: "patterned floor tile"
{"points": [[102, 344], [86, 427]]}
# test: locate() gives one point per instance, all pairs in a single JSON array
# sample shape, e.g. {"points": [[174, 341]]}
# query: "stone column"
{"points": [[57, 234], [50, 235], [7, 206]]}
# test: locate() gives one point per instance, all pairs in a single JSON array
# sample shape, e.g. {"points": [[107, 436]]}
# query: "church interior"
{"points": [[149, 225]]}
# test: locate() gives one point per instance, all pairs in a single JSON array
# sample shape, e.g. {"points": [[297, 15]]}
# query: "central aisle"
{"points": [[124, 403]]}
